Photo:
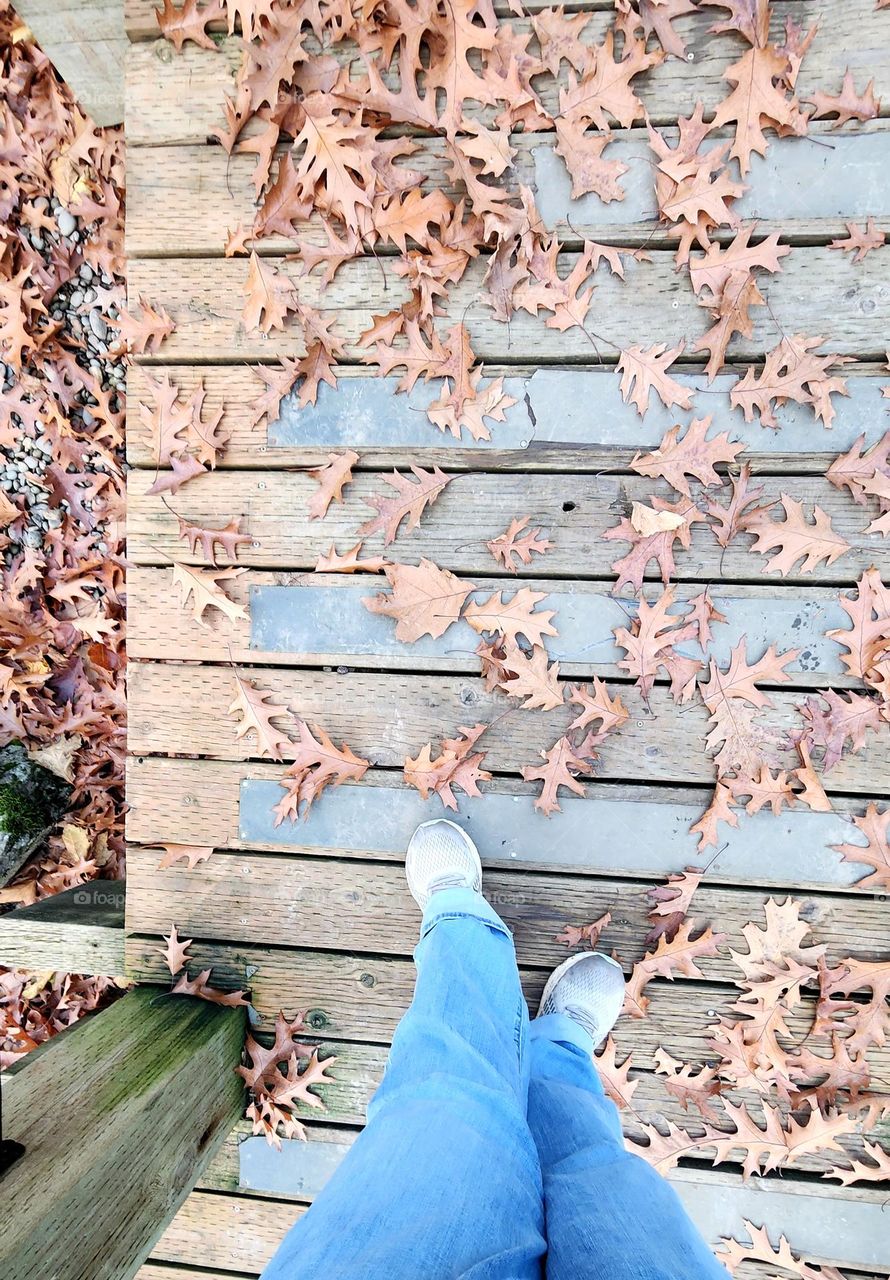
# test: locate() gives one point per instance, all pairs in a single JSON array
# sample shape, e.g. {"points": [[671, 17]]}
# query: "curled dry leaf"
{"points": [[732, 1253], [736, 516], [331, 561], [317, 765], [509, 545], [457, 765], [690, 1085], [331, 480], [615, 1076]]}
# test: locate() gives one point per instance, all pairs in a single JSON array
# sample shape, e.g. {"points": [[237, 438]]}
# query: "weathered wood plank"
{"points": [[205, 298], [575, 510], [319, 619], [565, 419], [642, 830], [183, 709], [80, 930], [86, 44], [272, 900], [232, 1233], [356, 999], [178, 98], [183, 201], [131, 1127]]}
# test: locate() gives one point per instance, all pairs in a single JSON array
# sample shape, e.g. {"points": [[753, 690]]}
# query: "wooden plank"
{"points": [[228, 1233], [576, 510], [131, 1127], [362, 998], [319, 620], [183, 201], [642, 830], [566, 419], [205, 299], [80, 930], [270, 900], [183, 709], [86, 44], [178, 98]]}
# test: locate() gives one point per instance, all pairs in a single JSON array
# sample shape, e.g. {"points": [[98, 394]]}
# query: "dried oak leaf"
{"points": [[631, 568], [846, 105], [574, 935], [644, 369], [513, 617], [736, 516], [256, 714], [649, 644], [791, 371], [691, 1086], [670, 903], [757, 100], [317, 764], [331, 479], [860, 243], [143, 333], [509, 545], [200, 987], [614, 1076], [457, 765], [424, 600], [598, 707], [229, 538], [410, 502], [188, 23], [269, 296], [202, 588], [712, 271], [563, 763], [530, 676], [677, 955], [868, 640], [858, 471], [730, 313], [331, 561], [732, 1253], [175, 951], [693, 455], [876, 853], [193, 853], [796, 538], [848, 717]]}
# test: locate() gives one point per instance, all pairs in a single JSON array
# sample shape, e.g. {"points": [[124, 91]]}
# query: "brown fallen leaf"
{"points": [[794, 538], [860, 243], [410, 503], [229, 538], [509, 545], [693, 455], [331, 479], [644, 370], [848, 104], [424, 600], [269, 297], [876, 853], [691, 1086], [614, 1076], [732, 1253], [143, 333], [574, 935], [317, 765], [631, 568], [598, 707], [256, 714], [512, 618], [671, 956], [457, 765], [757, 100], [736, 516], [791, 371], [331, 561], [530, 676], [647, 521], [175, 951], [202, 587], [848, 717], [563, 763], [200, 987], [670, 903], [193, 853]]}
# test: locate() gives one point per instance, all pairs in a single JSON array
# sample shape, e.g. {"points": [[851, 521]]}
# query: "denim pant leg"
{"points": [[609, 1215], [444, 1181]]}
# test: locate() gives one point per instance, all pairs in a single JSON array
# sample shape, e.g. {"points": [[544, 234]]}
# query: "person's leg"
{"points": [[444, 1180], [609, 1215]]}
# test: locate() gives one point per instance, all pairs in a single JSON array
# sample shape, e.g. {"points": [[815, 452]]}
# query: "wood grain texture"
{"points": [[80, 930], [362, 998], [328, 904], [565, 419], [86, 43], [274, 507], [205, 299], [131, 1127], [185, 200], [178, 708], [178, 98]]}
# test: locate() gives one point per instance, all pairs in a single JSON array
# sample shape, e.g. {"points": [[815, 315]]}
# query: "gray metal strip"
{"points": [[581, 407], [817, 177], [596, 833], [333, 621]]}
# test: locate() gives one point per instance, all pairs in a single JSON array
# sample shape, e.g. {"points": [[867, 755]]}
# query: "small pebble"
{"points": [[66, 222]]}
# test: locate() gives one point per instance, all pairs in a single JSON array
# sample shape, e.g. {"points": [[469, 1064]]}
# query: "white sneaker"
{"points": [[589, 989], [441, 855]]}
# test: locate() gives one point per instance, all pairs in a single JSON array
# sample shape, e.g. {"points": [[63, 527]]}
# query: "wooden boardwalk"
{"points": [[316, 916]]}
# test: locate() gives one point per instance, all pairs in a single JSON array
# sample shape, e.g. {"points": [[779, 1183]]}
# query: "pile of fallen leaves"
{"points": [[330, 98], [61, 494]]}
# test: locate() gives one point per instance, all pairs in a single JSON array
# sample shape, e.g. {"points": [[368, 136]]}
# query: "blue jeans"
{"points": [[491, 1151]]}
